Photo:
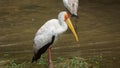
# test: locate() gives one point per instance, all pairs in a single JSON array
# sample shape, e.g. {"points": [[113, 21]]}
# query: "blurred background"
{"points": [[98, 27]]}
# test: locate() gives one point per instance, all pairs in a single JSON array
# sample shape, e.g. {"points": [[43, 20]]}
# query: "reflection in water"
{"points": [[97, 27]]}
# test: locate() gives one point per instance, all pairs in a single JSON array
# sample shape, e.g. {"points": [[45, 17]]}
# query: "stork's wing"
{"points": [[41, 46], [43, 39]]}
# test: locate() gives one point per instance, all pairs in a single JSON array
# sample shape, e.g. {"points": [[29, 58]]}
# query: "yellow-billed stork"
{"points": [[48, 33]]}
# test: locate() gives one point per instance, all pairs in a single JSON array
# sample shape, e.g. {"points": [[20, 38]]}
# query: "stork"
{"points": [[48, 34], [71, 6]]}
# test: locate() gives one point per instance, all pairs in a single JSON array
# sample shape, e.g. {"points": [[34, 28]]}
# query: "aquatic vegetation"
{"points": [[13, 64], [75, 62], [42, 60], [96, 61]]}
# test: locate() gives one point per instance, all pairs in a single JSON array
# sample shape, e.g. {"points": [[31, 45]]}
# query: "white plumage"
{"points": [[50, 28], [72, 6], [49, 32]]}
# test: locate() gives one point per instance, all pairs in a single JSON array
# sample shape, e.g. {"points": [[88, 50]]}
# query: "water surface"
{"points": [[98, 27]]}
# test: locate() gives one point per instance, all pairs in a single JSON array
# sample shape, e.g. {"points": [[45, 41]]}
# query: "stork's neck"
{"points": [[63, 25]]}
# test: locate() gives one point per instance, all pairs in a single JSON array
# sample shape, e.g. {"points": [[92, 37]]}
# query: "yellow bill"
{"points": [[69, 23]]}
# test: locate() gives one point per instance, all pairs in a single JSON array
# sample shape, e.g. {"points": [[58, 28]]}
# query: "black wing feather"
{"points": [[42, 50]]}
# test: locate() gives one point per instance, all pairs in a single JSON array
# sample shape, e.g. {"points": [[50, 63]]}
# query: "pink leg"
{"points": [[49, 58]]}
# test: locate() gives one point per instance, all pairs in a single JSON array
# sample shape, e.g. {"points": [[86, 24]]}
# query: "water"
{"points": [[98, 30]]}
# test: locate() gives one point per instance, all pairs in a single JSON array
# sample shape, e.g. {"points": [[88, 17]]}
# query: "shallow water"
{"points": [[98, 27]]}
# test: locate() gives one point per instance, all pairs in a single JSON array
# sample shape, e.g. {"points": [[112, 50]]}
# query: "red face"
{"points": [[66, 16]]}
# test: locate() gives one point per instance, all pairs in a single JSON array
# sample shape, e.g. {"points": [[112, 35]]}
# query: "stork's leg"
{"points": [[49, 58]]}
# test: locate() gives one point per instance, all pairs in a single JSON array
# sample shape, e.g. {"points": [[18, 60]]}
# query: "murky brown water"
{"points": [[98, 28]]}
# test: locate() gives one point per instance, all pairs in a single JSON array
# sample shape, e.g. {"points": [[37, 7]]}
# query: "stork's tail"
{"points": [[35, 58]]}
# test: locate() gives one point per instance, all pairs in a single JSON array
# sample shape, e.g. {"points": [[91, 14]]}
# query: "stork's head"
{"points": [[66, 18]]}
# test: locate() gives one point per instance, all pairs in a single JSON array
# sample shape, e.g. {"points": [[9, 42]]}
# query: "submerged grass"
{"points": [[74, 62], [13, 64]]}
